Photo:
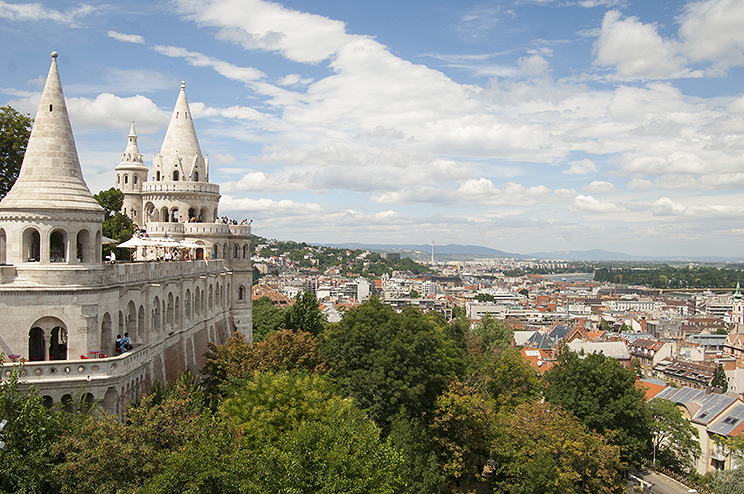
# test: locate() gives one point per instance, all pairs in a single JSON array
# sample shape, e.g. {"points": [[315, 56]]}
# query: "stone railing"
{"points": [[197, 187], [92, 369], [154, 271]]}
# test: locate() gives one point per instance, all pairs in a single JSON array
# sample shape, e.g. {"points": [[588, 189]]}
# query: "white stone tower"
{"points": [[131, 174], [49, 221], [179, 188]]}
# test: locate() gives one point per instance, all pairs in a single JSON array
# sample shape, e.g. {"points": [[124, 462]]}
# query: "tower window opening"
{"points": [[135, 179], [50, 107], [175, 176], [196, 176], [126, 179]]}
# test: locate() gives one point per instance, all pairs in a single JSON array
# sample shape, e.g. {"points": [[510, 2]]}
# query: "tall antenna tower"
{"points": [[432, 252]]}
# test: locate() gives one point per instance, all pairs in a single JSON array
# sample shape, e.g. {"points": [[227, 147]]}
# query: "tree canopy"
{"points": [[541, 449], [602, 394], [675, 440], [15, 129], [115, 224], [387, 360]]}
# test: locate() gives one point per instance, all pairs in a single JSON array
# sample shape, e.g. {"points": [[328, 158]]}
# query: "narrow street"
{"points": [[661, 484]]}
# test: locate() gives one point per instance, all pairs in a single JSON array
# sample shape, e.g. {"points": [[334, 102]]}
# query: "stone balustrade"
{"points": [[198, 187]]}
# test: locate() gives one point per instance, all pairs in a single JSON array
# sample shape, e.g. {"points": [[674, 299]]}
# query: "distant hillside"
{"points": [[444, 250], [570, 255]]}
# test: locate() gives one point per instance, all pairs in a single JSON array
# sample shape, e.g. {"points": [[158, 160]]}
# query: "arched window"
{"points": [[36, 344], [3, 246], [82, 250], [157, 175], [58, 344], [31, 245], [214, 251], [196, 176], [57, 247], [241, 293], [175, 175], [235, 251], [118, 179], [126, 179], [245, 249], [134, 179], [108, 342]]}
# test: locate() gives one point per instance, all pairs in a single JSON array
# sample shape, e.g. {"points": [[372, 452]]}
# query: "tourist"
{"points": [[126, 343]]}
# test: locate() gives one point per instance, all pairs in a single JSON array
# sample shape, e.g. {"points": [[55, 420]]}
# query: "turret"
{"points": [[180, 159], [50, 216], [131, 173]]}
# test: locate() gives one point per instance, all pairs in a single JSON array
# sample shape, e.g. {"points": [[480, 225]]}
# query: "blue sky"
{"points": [[524, 126]]}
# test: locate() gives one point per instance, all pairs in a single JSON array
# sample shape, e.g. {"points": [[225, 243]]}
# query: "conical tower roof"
{"points": [[50, 176], [131, 158], [180, 138]]}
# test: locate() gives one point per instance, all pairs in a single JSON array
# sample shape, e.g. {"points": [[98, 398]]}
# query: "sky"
{"points": [[525, 126]]}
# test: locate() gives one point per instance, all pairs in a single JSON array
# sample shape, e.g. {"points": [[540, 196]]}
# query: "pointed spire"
{"points": [[180, 138], [737, 294], [50, 176], [131, 154]]}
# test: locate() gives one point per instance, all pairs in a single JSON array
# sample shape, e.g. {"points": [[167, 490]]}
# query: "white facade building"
{"points": [[61, 307]]}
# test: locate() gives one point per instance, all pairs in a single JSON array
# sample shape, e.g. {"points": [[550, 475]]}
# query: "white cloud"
{"points": [[39, 12], [242, 74], [667, 207], [581, 167], [600, 187], [261, 182], [259, 25], [590, 204], [636, 50], [712, 31], [533, 65], [127, 38], [640, 184], [116, 113]]}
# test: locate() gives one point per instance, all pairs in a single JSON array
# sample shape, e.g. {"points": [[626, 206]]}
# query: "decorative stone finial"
{"points": [[183, 84], [54, 54]]}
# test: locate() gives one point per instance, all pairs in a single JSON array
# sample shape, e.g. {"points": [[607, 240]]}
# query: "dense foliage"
{"points": [[303, 315], [664, 276], [116, 225], [349, 261], [381, 402], [602, 394], [15, 129]]}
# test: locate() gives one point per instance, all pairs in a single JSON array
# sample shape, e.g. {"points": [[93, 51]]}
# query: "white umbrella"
{"points": [[136, 242]]}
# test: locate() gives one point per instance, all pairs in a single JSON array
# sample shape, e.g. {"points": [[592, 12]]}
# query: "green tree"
{"points": [[729, 481], [305, 314], [462, 433], [103, 455], [27, 460], [719, 378], [492, 333], [15, 129], [387, 360], [505, 377], [115, 225], [540, 449], [267, 318], [485, 297], [306, 438], [675, 440], [603, 396], [223, 362]]}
